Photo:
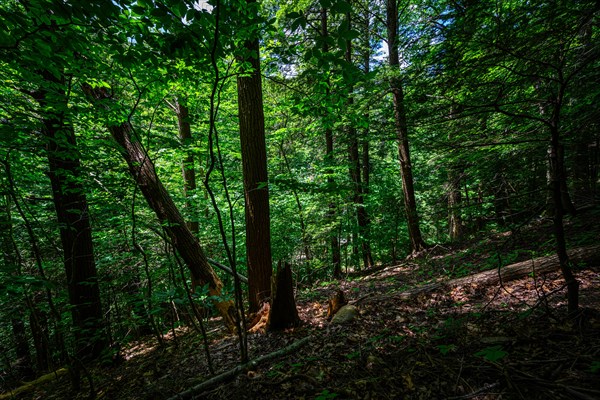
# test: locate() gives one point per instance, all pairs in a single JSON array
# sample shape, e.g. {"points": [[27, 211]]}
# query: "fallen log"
{"points": [[33, 384], [541, 265], [232, 373]]}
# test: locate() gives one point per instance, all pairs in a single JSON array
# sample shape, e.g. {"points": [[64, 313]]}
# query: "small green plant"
{"points": [[446, 348], [326, 394], [397, 338], [353, 355], [296, 367], [275, 370], [595, 367], [492, 354]]}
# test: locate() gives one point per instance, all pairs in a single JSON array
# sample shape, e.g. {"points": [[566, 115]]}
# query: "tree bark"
{"points": [[254, 168], [410, 205], [74, 221], [283, 313], [143, 171]]}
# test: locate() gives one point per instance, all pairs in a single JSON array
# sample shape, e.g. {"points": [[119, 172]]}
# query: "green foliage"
{"points": [[326, 394], [493, 353], [446, 348], [480, 90]]}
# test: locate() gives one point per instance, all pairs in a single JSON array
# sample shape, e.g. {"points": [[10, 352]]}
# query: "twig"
{"points": [[485, 388]]}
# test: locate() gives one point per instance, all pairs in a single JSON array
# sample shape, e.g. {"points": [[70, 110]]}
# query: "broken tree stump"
{"points": [[283, 313]]}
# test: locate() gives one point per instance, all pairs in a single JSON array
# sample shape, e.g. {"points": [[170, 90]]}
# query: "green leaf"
{"points": [[341, 7], [492, 354]]}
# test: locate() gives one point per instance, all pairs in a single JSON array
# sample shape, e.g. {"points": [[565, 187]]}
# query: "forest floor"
{"points": [[509, 341]]}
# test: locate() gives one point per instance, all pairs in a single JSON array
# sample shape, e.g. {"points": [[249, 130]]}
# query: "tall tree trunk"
{"points": [[334, 241], [187, 164], [74, 221], [143, 171], [254, 168], [365, 164], [356, 171], [414, 232]]}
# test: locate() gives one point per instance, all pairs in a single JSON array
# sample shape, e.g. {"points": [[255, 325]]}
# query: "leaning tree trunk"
{"points": [[410, 205], [143, 171], [254, 169]]}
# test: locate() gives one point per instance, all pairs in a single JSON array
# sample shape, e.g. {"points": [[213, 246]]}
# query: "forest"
{"points": [[303, 199]]}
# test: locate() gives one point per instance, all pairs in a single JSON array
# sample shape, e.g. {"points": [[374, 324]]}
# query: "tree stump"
{"points": [[283, 313], [335, 303]]}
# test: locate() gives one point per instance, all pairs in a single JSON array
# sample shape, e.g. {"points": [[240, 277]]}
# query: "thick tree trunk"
{"points": [[254, 168], [74, 221], [143, 171], [334, 242], [410, 205]]}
